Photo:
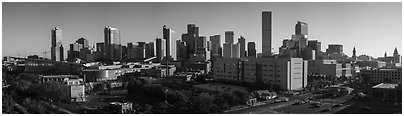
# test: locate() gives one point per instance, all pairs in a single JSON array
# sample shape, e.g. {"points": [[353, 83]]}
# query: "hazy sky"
{"points": [[373, 28]]}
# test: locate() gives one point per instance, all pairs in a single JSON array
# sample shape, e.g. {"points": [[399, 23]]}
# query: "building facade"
{"points": [[56, 45], [112, 40], [266, 33], [383, 75]]}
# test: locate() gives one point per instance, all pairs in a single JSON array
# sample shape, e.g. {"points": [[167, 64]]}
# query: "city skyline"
{"points": [[88, 19]]}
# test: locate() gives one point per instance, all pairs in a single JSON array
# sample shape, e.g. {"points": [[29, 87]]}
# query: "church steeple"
{"points": [[395, 52], [354, 54]]}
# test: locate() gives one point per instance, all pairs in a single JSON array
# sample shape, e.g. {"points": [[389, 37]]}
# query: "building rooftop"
{"points": [[385, 86]]}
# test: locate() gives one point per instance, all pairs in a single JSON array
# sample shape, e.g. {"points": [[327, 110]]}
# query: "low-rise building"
{"points": [[287, 73], [121, 108], [387, 92], [383, 75]]}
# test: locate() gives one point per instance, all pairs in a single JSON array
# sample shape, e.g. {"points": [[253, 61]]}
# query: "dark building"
{"points": [[167, 37], [241, 42], [301, 28], [215, 44], [159, 47], [252, 52], [335, 48], [181, 50], [56, 45], [83, 41], [112, 40], [149, 50], [315, 45], [266, 33], [190, 39]]}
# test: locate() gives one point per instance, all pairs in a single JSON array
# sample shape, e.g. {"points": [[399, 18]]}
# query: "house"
{"points": [[264, 94]]}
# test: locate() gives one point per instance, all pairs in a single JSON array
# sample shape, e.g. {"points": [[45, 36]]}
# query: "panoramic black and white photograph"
{"points": [[201, 57]]}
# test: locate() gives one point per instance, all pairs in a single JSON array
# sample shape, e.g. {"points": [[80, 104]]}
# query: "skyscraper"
{"points": [[181, 50], [167, 37], [315, 45], [301, 28], [83, 41], [159, 49], [149, 50], [251, 50], [235, 50], [112, 40], [215, 41], [227, 50], [228, 37], [201, 43], [241, 42], [56, 45], [266, 33]]}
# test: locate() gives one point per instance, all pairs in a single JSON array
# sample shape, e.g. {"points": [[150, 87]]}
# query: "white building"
{"points": [[287, 73]]}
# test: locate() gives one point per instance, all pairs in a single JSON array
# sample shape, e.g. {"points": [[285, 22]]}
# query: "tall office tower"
{"points": [[149, 50], [190, 39], [266, 33], [354, 54], [228, 37], [301, 28], [83, 41], [252, 52], [141, 50], [335, 48], [315, 45], [235, 50], [227, 50], [100, 47], [167, 37], [56, 45], [181, 50], [125, 52], [130, 50], [201, 43], [215, 42], [74, 51], [193, 30], [159, 48], [241, 42], [112, 40]]}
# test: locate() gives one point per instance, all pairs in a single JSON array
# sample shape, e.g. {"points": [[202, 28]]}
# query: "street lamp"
{"points": [[165, 95]]}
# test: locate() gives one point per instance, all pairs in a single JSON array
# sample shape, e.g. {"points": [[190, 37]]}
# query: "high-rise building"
{"points": [[335, 48], [241, 42], [83, 41], [201, 43], [159, 49], [301, 28], [149, 50], [167, 37], [229, 35], [56, 45], [315, 45], [112, 40], [181, 50], [235, 50], [215, 40], [252, 52], [100, 47], [266, 33], [227, 50], [193, 30]]}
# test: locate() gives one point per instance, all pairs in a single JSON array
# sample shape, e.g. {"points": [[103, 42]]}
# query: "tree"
{"points": [[242, 97]]}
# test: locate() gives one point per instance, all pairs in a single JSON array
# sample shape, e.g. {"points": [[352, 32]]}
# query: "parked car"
{"points": [[326, 110], [337, 105]]}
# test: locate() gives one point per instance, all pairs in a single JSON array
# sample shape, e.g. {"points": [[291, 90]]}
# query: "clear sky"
{"points": [[373, 28]]}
